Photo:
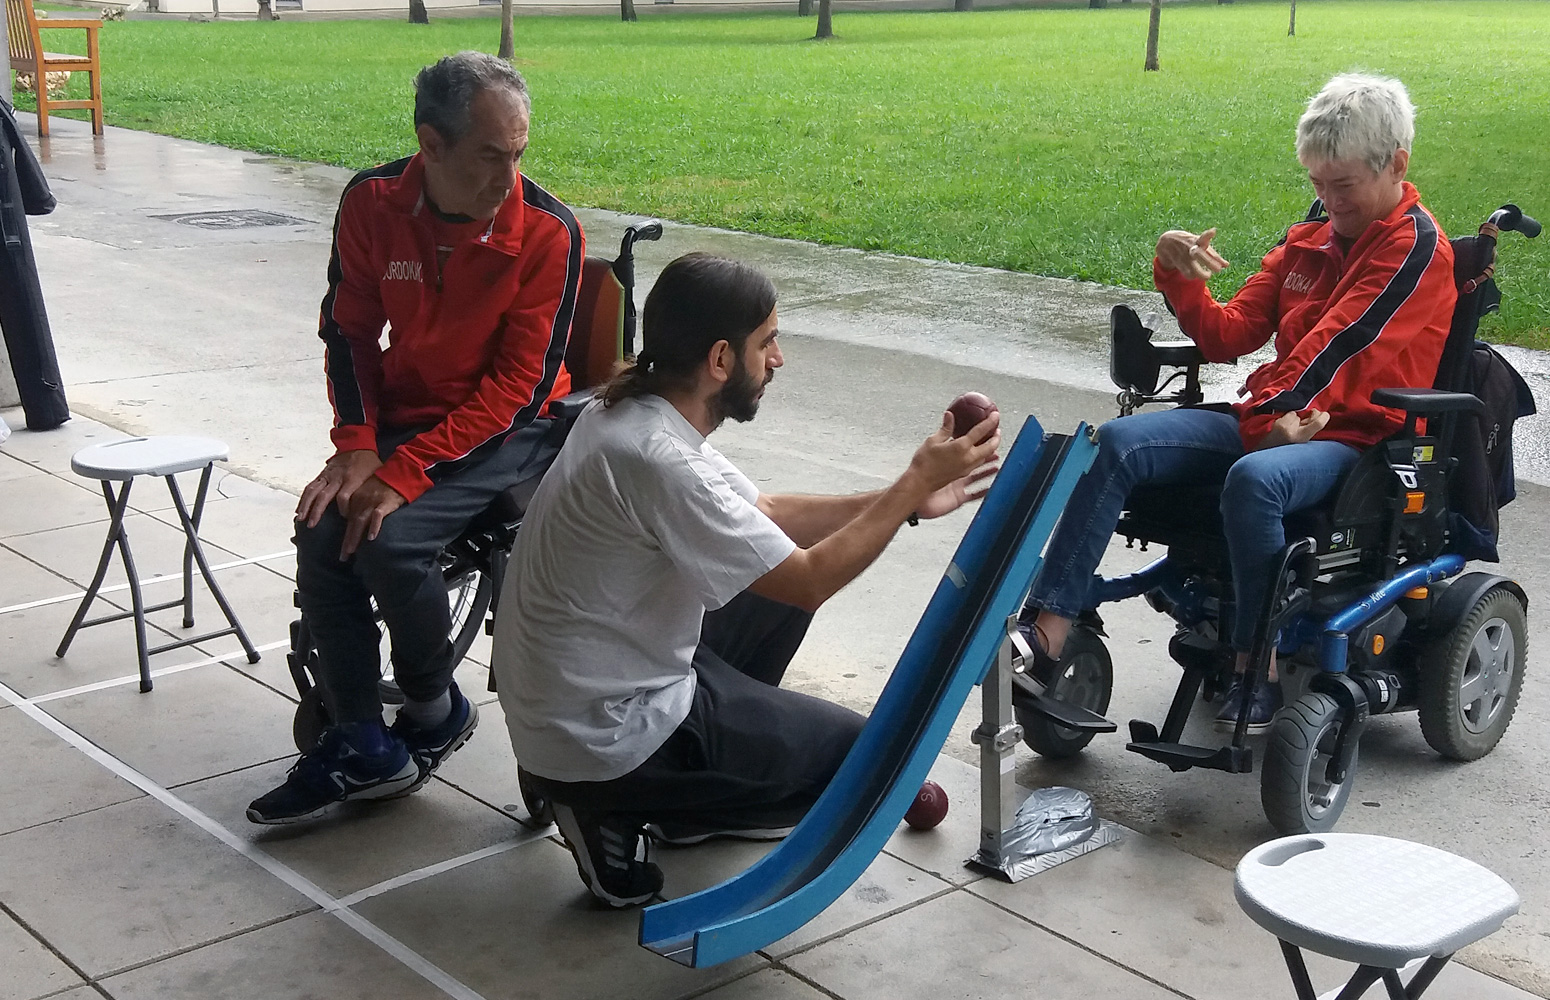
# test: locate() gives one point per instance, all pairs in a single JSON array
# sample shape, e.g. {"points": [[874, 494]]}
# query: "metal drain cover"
{"points": [[238, 218]]}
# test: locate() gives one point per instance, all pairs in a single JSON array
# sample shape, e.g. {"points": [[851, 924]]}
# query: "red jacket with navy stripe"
{"points": [[1344, 324], [472, 355]]}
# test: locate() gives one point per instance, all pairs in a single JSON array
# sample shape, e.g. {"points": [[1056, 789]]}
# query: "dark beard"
{"points": [[739, 398]]}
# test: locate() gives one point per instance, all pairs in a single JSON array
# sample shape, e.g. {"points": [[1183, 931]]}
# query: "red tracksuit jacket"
{"points": [[474, 359], [1344, 325]]}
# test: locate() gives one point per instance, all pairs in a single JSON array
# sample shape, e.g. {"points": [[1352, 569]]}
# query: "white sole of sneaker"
{"points": [[395, 788], [457, 742], [775, 833]]}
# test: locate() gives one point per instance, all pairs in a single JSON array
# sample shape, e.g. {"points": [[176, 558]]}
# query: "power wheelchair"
{"points": [[1367, 611], [474, 564]]}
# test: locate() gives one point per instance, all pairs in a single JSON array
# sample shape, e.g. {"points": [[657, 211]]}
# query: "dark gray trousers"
{"points": [[401, 571], [750, 755]]}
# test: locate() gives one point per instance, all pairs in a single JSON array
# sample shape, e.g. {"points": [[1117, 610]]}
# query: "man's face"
{"points": [[739, 398], [475, 175], [1354, 195]]}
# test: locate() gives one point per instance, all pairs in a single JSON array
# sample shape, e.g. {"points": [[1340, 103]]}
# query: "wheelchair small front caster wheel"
{"points": [[1085, 678], [1471, 678], [1294, 785]]}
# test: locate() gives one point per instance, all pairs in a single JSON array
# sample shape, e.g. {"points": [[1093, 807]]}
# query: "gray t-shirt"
{"points": [[638, 528]]}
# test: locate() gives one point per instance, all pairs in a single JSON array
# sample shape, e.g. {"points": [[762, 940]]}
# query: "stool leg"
{"points": [[192, 532], [1299, 970], [116, 507], [188, 548], [1361, 981], [138, 604], [1424, 975]]}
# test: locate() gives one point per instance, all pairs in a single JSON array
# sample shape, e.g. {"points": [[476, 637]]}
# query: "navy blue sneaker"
{"points": [[1267, 701], [431, 746], [610, 857], [334, 771]]}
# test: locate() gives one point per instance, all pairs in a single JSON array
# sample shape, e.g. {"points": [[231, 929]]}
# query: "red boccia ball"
{"points": [[929, 807], [968, 410]]}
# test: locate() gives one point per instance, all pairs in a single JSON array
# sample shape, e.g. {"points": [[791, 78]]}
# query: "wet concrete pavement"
{"points": [[166, 327]]}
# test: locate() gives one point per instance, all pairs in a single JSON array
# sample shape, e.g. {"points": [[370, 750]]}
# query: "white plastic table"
{"points": [[1379, 902], [164, 456]]}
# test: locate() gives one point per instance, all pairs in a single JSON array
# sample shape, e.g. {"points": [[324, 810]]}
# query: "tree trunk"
{"points": [[825, 21], [963, 4], [1097, 4], [265, 11], [1151, 34], [626, 10], [804, 8], [418, 13], [508, 46], [1291, 26]]}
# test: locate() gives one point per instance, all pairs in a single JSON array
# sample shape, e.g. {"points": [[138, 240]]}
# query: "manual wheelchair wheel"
{"points": [[1470, 678], [1294, 786], [1083, 677]]}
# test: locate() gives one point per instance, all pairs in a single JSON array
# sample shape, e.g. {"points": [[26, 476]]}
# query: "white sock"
{"points": [[428, 714]]}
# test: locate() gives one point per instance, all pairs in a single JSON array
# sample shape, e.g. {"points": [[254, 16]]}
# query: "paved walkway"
{"points": [[126, 867]]}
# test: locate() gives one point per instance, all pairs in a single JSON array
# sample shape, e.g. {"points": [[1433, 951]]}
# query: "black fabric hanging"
{"points": [[23, 192]]}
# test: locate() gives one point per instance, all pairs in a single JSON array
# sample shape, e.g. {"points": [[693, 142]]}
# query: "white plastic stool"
{"points": [[122, 461], [1375, 901]]}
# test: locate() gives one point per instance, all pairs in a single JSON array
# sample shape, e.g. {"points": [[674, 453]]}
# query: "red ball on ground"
{"points": [[968, 410], [929, 807]]}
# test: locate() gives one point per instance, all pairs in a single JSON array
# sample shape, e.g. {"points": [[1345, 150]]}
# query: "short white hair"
{"points": [[1357, 117]]}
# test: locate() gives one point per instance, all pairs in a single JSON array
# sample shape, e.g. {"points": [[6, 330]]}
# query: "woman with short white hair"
{"points": [[1357, 299]]}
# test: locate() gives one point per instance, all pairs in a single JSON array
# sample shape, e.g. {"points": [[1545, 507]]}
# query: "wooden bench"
{"points": [[25, 41]]}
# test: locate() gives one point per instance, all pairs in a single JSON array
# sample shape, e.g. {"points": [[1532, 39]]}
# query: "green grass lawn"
{"points": [[1023, 139]]}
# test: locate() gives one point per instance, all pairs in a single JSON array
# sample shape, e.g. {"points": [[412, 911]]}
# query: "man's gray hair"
{"points": [[1357, 117], [444, 92]]}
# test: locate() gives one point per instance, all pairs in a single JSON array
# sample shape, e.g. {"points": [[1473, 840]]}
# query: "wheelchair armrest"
{"points": [[1179, 354], [1425, 401]]}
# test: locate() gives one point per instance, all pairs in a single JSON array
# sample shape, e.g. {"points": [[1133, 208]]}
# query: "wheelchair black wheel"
{"points": [[468, 598], [1294, 787], [1083, 677], [310, 721], [1470, 678]]}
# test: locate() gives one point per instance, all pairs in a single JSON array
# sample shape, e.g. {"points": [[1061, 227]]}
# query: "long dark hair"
{"points": [[699, 299]]}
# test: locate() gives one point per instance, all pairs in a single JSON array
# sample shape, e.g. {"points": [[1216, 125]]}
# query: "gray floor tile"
{"points": [[37, 503], [313, 955], [51, 449], [264, 604], [361, 843], [15, 468], [46, 778], [766, 984], [23, 581], [485, 768], [195, 724], [887, 886], [959, 946], [134, 882], [943, 849], [73, 552], [247, 524], [100, 653], [522, 925], [1158, 910], [30, 969]]}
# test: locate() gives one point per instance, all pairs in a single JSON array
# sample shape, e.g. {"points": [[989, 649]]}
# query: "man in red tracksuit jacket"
{"points": [[1359, 300], [473, 270]]}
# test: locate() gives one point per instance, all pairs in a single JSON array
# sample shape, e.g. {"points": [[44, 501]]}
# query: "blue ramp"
{"points": [[953, 647]]}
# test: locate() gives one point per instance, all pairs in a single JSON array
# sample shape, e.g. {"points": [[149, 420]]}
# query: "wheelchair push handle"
{"points": [[1510, 218]]}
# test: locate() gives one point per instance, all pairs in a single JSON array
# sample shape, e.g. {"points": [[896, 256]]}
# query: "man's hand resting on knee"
{"points": [[943, 475], [364, 500]]}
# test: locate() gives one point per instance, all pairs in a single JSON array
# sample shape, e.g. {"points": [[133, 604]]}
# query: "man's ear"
{"points": [[723, 361], [431, 142], [1400, 164]]}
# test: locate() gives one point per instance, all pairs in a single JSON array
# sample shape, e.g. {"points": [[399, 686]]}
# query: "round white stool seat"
{"points": [[163, 455], [1375, 901]]}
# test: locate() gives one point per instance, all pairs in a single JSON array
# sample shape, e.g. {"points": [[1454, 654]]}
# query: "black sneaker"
{"points": [[1267, 701], [333, 772], [682, 835], [605, 850], [432, 746]]}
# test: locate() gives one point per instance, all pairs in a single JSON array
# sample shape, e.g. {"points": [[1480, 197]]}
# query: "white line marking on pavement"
{"points": [[77, 595], [162, 672], [409, 878], [365, 928]]}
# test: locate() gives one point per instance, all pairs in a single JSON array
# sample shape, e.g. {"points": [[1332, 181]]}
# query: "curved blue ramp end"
{"points": [[952, 648]]}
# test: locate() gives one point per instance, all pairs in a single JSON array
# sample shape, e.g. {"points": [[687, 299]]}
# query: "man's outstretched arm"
{"points": [[939, 474]]}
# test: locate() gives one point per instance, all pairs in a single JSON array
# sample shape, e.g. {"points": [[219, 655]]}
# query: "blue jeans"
{"points": [[1172, 447]]}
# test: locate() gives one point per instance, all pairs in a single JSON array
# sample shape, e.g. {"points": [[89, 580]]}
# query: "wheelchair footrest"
{"points": [[1182, 756], [1066, 714]]}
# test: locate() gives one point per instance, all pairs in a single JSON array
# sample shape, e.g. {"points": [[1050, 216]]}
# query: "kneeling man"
{"points": [[655, 596]]}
